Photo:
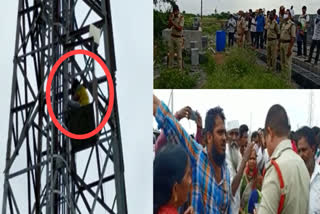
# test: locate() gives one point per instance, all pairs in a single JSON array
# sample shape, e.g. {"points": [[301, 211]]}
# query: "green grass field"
{"points": [[240, 70]]}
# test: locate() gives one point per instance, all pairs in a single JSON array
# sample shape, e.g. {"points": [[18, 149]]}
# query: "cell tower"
{"points": [[45, 171]]}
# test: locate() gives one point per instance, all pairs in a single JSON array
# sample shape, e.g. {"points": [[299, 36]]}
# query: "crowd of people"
{"points": [[227, 168], [277, 32]]}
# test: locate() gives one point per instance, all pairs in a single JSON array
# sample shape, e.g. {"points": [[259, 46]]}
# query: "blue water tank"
{"points": [[220, 40]]}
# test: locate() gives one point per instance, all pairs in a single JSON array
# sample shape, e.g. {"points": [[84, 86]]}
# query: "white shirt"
{"points": [[316, 32], [235, 202], [262, 157], [304, 19], [292, 12], [231, 25], [265, 156], [247, 26], [314, 195], [259, 154], [253, 27]]}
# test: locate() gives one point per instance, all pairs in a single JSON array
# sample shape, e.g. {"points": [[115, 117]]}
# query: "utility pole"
{"points": [[201, 9]]}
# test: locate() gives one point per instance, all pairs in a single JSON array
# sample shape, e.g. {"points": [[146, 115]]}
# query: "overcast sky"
{"points": [[193, 6], [132, 25], [242, 105]]}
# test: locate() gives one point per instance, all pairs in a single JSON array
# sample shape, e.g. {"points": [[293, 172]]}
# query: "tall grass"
{"points": [[173, 78], [240, 70]]}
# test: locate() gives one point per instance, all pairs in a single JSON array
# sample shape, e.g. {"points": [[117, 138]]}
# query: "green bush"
{"points": [[211, 66], [160, 50], [240, 70], [173, 78], [211, 24], [160, 22], [188, 21]]}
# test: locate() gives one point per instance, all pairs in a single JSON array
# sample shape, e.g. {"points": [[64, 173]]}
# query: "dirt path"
{"points": [[219, 58]]}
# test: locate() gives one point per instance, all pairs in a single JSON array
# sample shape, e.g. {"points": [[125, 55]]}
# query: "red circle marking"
{"points": [[111, 94]]}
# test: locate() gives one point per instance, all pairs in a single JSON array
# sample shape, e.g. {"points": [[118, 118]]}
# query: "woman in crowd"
{"points": [[250, 184], [171, 179]]}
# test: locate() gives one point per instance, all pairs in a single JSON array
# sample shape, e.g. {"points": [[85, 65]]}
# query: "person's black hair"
{"points": [[250, 10], [175, 8], [288, 10], [154, 139], [254, 134], [211, 117], [169, 167], [308, 134], [272, 15], [318, 140], [316, 130], [304, 7], [243, 129], [293, 136], [75, 84], [277, 119], [299, 24]]}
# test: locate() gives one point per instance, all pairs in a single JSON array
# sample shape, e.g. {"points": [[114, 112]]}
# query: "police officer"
{"points": [[176, 22], [285, 187], [241, 25], [273, 32], [287, 38]]}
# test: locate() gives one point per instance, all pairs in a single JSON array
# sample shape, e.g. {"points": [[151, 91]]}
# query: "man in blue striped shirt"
{"points": [[211, 187]]}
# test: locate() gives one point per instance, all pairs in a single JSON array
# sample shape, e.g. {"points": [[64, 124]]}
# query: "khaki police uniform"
{"points": [[287, 32], [241, 26], [273, 31], [176, 40], [296, 182]]}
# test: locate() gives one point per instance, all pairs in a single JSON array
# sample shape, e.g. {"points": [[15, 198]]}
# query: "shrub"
{"points": [[160, 22], [173, 78], [240, 70]]}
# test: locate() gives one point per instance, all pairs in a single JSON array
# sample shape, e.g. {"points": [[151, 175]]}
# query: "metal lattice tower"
{"points": [[43, 173]]}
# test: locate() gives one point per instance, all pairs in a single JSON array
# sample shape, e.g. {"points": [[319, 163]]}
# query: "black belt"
{"points": [[272, 39], [285, 41], [176, 36]]}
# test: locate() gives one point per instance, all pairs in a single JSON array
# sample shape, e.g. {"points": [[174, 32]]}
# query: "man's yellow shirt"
{"points": [[82, 93]]}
